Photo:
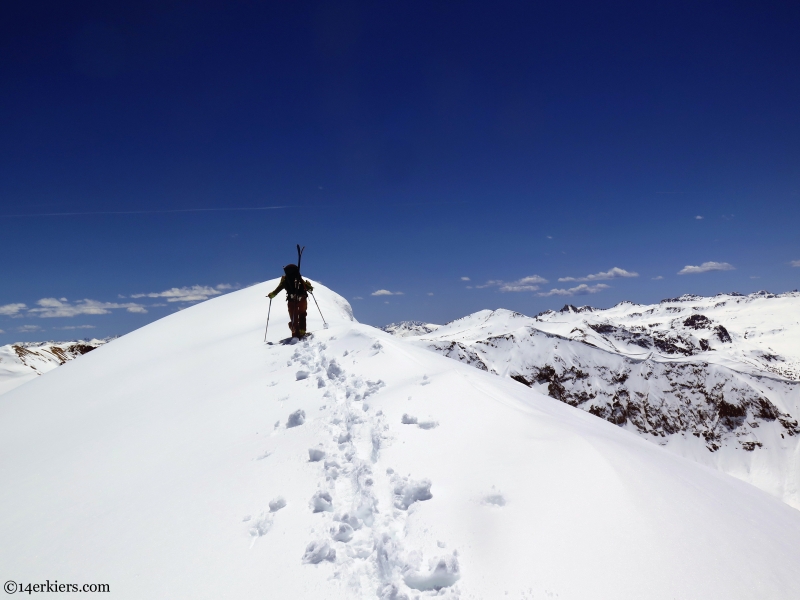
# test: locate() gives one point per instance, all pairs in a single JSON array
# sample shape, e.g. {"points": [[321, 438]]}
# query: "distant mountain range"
{"points": [[24, 361], [715, 379]]}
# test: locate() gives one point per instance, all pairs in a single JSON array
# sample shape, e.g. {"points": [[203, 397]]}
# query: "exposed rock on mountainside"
{"points": [[720, 373]]}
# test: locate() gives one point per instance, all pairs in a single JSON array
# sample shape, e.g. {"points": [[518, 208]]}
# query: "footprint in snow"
{"points": [[316, 552], [296, 419], [315, 454], [321, 502], [442, 572], [261, 526], [412, 420], [494, 498], [408, 491], [276, 504], [342, 532]]}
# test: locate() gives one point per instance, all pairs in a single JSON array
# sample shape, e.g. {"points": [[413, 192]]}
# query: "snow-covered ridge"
{"points": [[410, 328], [25, 361], [713, 379], [189, 459]]}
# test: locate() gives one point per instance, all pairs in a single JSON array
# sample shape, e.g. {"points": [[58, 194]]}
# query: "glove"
{"points": [[271, 295], [309, 287]]}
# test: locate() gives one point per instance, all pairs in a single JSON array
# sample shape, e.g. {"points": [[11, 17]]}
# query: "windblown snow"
{"points": [[188, 459], [713, 379]]}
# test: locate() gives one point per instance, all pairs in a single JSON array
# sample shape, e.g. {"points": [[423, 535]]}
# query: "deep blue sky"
{"points": [[412, 144]]}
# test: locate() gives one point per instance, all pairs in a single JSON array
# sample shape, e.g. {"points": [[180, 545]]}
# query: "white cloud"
{"points": [[659, 278], [580, 290], [28, 328], [510, 287], [430, 293], [195, 293], [1, 331], [490, 283], [52, 307], [794, 263], [11, 309], [70, 327], [699, 217], [357, 298], [706, 267], [614, 273], [549, 237], [386, 293], [465, 279], [526, 284]]}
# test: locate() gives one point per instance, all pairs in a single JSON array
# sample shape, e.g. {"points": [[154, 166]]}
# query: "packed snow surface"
{"points": [[188, 459], [716, 380]]}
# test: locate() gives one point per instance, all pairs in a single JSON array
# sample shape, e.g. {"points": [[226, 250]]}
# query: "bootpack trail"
{"points": [[188, 459]]}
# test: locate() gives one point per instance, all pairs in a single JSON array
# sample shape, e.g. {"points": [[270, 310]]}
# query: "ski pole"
{"points": [[320, 312], [269, 310]]}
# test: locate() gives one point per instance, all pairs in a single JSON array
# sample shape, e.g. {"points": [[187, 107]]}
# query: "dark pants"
{"points": [[297, 314]]}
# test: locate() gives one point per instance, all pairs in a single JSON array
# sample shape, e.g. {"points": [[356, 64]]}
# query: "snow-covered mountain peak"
{"points": [[189, 459]]}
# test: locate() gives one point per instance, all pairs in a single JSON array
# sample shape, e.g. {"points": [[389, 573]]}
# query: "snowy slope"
{"points": [[715, 379], [190, 460], [19, 363]]}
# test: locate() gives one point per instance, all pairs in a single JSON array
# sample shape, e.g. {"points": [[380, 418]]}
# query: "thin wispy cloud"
{"points": [[526, 284], [658, 278], [10, 310], [28, 328], [195, 293], [71, 327], [357, 298], [706, 267], [614, 273], [580, 290], [1, 331], [386, 293], [465, 279], [795, 263], [144, 212], [55, 307], [699, 217]]}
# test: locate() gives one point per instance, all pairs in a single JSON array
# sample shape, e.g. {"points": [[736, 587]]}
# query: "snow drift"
{"points": [[190, 460]]}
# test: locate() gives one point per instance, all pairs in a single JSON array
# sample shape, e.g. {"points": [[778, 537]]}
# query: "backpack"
{"points": [[293, 284]]}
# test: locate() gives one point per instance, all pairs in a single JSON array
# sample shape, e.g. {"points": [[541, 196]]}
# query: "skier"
{"points": [[297, 290]]}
